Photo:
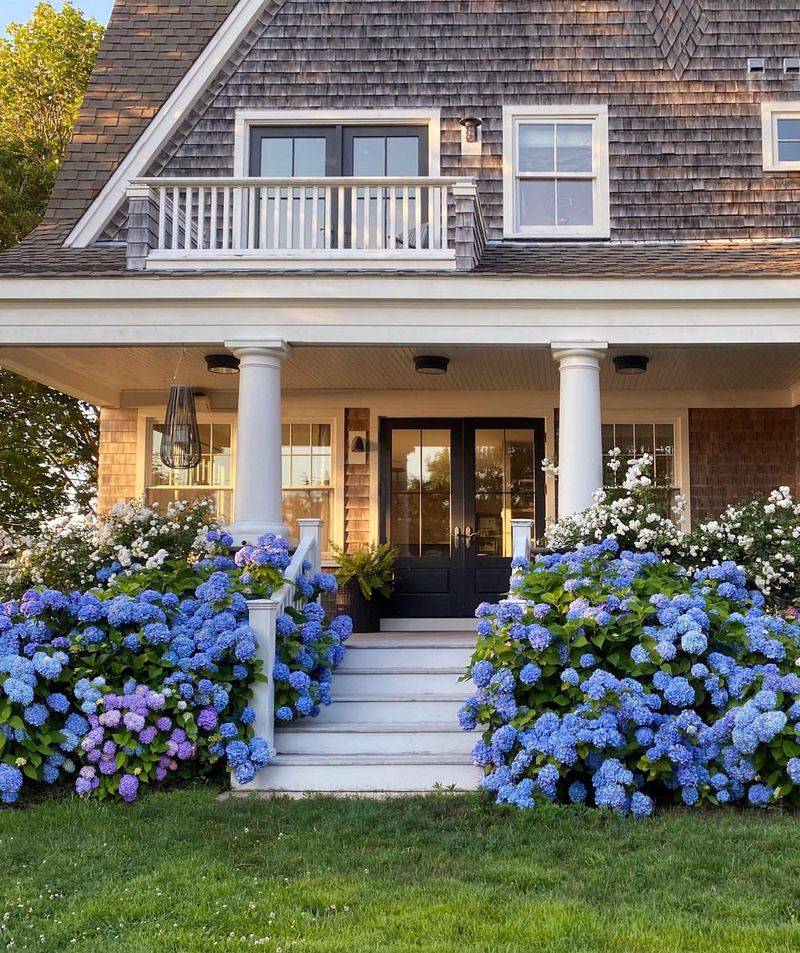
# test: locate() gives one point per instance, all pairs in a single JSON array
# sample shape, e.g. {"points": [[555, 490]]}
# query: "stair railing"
{"points": [[307, 559]]}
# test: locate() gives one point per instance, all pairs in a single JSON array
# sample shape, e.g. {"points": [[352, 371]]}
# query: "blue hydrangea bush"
{"points": [[148, 675], [620, 680]]}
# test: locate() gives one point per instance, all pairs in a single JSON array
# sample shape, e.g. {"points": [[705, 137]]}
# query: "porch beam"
{"points": [[257, 496], [580, 445]]}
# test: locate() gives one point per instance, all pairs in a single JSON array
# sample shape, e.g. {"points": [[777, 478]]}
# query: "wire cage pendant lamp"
{"points": [[180, 443]]}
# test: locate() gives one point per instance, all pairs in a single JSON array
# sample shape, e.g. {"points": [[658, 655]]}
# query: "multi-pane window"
{"points": [[781, 136], [504, 486], [557, 172], [212, 477], [307, 474], [634, 439], [421, 486]]}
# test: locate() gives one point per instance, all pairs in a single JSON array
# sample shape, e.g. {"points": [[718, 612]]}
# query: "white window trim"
{"points": [[771, 112], [598, 115], [247, 118]]}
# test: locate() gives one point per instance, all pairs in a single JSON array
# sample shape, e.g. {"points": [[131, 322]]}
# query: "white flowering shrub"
{"points": [[632, 515], [77, 552]]}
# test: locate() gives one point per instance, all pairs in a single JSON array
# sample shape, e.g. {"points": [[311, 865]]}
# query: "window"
{"points": [[633, 440], [781, 136], [307, 474], [555, 172], [212, 477]]}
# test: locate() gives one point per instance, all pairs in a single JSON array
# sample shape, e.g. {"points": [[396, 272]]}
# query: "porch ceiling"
{"points": [[111, 375]]}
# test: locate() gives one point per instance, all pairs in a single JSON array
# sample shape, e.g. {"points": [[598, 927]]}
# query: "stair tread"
{"points": [[378, 727], [403, 670], [367, 759], [397, 697], [411, 640]]}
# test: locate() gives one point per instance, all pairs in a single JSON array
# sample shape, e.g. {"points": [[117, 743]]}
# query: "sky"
{"points": [[20, 10]]}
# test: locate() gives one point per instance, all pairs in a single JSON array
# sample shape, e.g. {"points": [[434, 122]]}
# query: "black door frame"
{"points": [[463, 563]]}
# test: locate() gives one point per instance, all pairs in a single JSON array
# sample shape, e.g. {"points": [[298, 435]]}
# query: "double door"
{"points": [[449, 490]]}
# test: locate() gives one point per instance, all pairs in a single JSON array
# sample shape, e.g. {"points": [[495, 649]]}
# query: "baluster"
{"points": [[251, 217], [187, 220], [443, 216], [301, 223], [212, 235], [430, 244], [314, 216], [162, 218], [278, 215], [417, 218], [201, 216], [175, 215], [405, 216], [226, 218], [380, 236], [290, 217], [341, 211], [263, 203], [392, 217], [327, 219], [366, 236]]}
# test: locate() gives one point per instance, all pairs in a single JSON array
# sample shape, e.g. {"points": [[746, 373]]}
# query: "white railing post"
{"points": [[521, 539], [311, 529], [263, 616]]}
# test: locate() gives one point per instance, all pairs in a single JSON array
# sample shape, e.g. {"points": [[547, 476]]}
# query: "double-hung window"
{"points": [[781, 136], [555, 163]]}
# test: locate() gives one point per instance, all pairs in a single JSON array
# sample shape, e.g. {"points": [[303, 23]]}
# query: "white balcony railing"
{"points": [[230, 222]]}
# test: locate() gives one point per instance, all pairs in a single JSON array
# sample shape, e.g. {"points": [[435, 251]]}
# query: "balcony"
{"points": [[414, 224]]}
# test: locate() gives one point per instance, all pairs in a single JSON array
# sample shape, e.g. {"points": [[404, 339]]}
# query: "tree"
{"points": [[48, 441]]}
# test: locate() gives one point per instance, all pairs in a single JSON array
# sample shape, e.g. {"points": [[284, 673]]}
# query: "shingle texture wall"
{"points": [[116, 478], [356, 483], [735, 453]]}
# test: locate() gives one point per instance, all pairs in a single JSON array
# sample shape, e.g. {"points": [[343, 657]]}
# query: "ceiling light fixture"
{"points": [[431, 364]]}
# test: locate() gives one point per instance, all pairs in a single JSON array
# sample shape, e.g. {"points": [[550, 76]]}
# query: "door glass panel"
{"points": [[276, 158], [309, 156], [420, 492], [504, 486], [402, 155], [369, 155]]}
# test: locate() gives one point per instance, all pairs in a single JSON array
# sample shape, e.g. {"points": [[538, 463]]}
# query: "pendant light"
{"points": [[180, 443]]}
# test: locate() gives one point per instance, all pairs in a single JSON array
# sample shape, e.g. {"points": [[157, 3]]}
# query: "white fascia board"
{"points": [[166, 120], [302, 287]]}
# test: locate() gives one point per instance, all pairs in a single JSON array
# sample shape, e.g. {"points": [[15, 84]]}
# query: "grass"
{"points": [[185, 872]]}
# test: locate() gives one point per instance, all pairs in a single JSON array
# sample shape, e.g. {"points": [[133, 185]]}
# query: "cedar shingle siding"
{"points": [[685, 131]]}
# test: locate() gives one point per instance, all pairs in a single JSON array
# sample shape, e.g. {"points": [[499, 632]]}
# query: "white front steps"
{"points": [[393, 724]]}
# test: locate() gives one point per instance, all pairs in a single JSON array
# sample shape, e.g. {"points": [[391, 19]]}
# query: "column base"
{"points": [[249, 532]]}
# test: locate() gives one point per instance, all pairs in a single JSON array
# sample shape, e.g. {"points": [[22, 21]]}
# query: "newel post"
{"points": [[521, 539], [311, 530], [263, 617]]}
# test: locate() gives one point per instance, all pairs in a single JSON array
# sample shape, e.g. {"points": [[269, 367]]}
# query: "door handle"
{"points": [[456, 537], [469, 535]]}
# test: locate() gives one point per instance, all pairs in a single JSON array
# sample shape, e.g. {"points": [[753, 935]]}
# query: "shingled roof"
{"points": [[689, 168]]}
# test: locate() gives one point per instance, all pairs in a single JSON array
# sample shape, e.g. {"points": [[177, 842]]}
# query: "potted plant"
{"points": [[366, 579]]}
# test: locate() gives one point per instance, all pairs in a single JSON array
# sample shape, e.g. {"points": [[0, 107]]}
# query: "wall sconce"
{"points": [[357, 451], [471, 136]]}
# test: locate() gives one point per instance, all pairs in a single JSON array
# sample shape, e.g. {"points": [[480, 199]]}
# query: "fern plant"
{"points": [[372, 567]]}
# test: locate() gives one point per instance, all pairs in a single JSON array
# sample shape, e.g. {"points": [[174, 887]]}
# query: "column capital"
{"points": [[259, 352], [586, 353]]}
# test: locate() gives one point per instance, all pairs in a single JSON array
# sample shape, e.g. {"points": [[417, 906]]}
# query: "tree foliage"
{"points": [[48, 441]]}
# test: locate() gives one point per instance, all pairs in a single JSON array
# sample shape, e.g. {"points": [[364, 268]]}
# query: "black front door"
{"points": [[449, 489]]}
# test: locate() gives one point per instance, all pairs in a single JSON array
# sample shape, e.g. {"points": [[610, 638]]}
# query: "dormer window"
{"points": [[780, 124], [555, 162]]}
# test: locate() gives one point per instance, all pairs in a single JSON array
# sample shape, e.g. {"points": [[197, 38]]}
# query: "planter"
{"points": [[365, 613]]}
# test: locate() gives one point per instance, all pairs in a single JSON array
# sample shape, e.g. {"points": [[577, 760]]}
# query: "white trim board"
{"points": [[771, 112], [166, 121]]}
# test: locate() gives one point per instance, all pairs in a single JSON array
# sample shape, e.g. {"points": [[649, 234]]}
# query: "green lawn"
{"points": [[186, 872]]}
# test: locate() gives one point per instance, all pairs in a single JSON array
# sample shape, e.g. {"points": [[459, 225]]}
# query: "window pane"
{"points": [[301, 470], [276, 158], [309, 156], [575, 202], [405, 523], [406, 457], [574, 147], [623, 434], [435, 524], [789, 128], [789, 150], [664, 471], [643, 434], [519, 450], [320, 437], [306, 504], [402, 155], [488, 461], [301, 438], [369, 155], [489, 524], [665, 438], [536, 140], [321, 470], [608, 437], [436, 461], [537, 202]]}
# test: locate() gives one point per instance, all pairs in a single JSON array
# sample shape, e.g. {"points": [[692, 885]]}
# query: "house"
{"points": [[405, 249]]}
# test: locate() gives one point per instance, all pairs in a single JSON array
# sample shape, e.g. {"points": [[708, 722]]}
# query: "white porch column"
{"points": [[257, 487], [580, 447]]}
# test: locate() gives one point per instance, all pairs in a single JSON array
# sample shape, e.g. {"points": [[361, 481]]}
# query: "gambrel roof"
{"points": [[684, 115]]}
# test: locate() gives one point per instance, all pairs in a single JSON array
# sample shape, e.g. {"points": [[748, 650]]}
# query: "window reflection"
{"points": [[420, 517], [504, 486]]}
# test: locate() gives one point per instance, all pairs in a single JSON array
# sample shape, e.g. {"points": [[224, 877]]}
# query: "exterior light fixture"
{"points": [[357, 444], [222, 364], [431, 364], [471, 126], [631, 363], [180, 438]]}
